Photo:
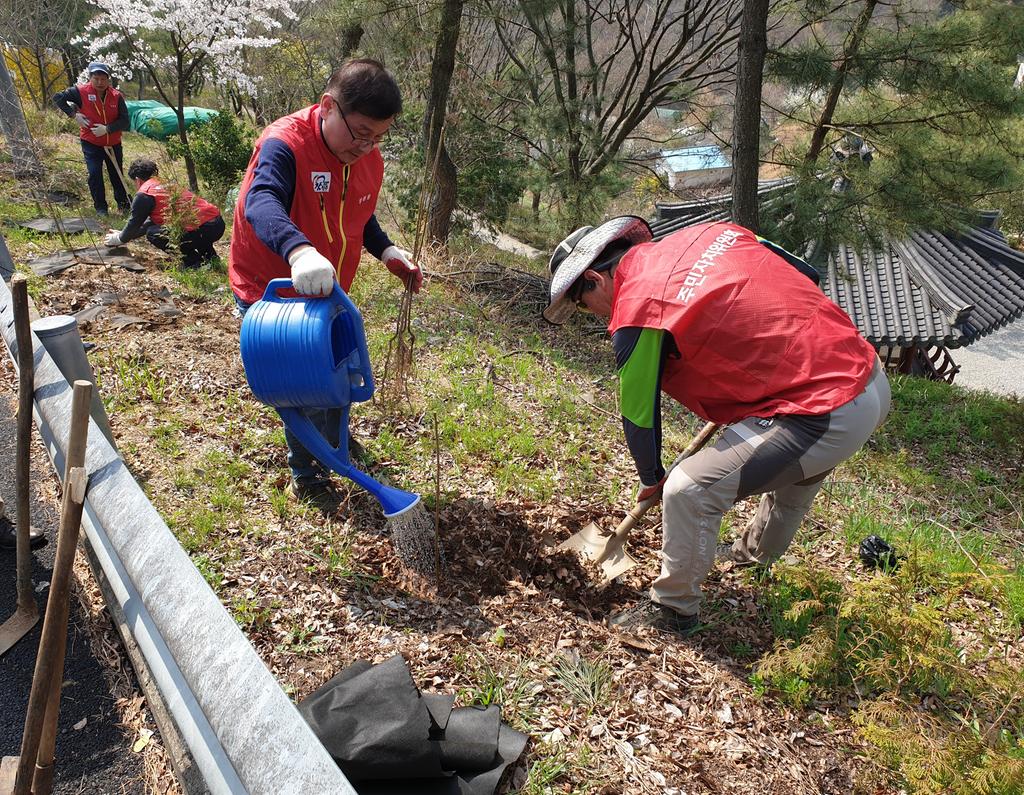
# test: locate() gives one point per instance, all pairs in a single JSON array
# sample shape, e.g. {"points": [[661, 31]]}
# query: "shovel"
{"points": [[609, 551], [27, 614]]}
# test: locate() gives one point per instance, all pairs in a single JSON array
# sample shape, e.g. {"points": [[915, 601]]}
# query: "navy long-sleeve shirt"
{"points": [[69, 102], [138, 222], [269, 202]]}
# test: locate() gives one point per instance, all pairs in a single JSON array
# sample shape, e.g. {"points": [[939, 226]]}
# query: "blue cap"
{"points": [[98, 66]]}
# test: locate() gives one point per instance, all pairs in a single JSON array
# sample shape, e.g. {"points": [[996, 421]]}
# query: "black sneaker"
{"points": [[313, 490], [648, 613], [724, 553], [356, 450], [9, 536]]}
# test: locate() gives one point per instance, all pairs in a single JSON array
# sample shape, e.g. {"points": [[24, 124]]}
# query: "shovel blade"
{"points": [[589, 543], [607, 550], [16, 627], [8, 773], [616, 564]]}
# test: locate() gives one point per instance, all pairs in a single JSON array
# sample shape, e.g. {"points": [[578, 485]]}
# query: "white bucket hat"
{"points": [[579, 251]]}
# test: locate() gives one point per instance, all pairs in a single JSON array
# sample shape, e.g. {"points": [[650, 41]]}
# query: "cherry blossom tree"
{"points": [[182, 44]]}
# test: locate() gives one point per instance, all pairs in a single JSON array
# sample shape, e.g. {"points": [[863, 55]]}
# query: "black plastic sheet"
{"points": [[390, 740], [62, 260], [67, 226]]}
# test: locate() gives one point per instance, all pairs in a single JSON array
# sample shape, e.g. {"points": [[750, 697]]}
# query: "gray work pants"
{"points": [[786, 458]]}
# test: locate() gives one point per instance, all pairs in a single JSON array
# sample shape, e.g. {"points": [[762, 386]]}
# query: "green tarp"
{"points": [[155, 120]]}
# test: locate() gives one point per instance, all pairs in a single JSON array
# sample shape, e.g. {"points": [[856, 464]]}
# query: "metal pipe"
{"points": [[59, 335]]}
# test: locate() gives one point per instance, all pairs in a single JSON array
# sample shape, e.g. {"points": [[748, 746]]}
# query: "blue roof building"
{"points": [[695, 166]]}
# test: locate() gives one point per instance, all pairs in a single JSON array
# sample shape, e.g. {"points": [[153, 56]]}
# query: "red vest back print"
{"points": [[194, 211], [756, 337], [99, 111], [331, 205]]}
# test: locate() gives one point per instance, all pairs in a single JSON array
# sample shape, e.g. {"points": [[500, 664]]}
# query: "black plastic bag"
{"points": [[876, 553]]}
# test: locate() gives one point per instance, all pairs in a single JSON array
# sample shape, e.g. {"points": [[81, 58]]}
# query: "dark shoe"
{"points": [[650, 614], [724, 553], [355, 450], [312, 490], [9, 536]]}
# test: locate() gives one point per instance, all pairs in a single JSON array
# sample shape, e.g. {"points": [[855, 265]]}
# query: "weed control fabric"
{"points": [[389, 739]]}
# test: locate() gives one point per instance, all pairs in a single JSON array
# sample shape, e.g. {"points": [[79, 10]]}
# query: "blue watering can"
{"points": [[310, 353]]}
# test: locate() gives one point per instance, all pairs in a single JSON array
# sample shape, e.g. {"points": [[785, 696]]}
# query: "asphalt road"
{"points": [[96, 759]]}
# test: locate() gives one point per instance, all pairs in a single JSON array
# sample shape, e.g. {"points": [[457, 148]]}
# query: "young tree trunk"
{"points": [[15, 130], [350, 40], [850, 50], [746, 123], [443, 199], [190, 163], [535, 204], [444, 191], [44, 82]]}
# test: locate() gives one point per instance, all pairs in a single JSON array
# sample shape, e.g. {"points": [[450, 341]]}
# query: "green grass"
{"points": [[249, 613], [545, 771], [492, 681], [587, 683], [125, 380], [209, 280], [942, 420], [215, 501]]}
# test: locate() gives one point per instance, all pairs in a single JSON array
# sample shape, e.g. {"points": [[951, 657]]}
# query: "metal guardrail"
{"points": [[242, 729]]}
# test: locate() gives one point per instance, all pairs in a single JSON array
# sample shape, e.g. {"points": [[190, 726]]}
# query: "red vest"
{"points": [[331, 205], [99, 111], [194, 211], [756, 337]]}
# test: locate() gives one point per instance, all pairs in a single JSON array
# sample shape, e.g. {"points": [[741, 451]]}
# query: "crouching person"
{"points": [[201, 223], [735, 329]]}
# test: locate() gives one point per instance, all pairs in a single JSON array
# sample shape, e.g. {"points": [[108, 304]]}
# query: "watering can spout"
{"points": [[393, 501], [304, 353]]}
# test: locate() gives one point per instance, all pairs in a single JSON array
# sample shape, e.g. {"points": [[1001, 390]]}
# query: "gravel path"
{"points": [[995, 363]]}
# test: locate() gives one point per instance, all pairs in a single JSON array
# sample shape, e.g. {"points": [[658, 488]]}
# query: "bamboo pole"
{"points": [[44, 699]]}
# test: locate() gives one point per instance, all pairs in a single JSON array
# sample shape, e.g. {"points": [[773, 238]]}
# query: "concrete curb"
{"points": [[241, 729]]}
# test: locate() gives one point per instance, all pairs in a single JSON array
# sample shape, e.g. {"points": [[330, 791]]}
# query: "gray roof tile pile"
{"points": [[928, 289]]}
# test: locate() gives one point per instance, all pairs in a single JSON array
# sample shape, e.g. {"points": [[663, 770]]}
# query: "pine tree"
{"points": [[924, 96]]}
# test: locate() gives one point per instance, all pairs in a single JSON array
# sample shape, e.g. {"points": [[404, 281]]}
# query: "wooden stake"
{"points": [[44, 699], [26, 615]]}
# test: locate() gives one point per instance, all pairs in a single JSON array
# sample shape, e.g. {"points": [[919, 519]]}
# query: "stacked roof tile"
{"points": [[929, 289]]}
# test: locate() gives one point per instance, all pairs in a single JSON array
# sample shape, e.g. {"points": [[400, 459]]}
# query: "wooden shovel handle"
{"points": [[643, 506]]}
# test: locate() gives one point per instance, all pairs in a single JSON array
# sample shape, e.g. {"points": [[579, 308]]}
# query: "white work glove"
{"points": [[82, 119], [399, 262], [312, 272], [113, 239], [99, 130]]}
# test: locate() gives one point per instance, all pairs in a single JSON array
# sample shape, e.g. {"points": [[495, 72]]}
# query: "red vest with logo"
{"points": [[99, 111], [331, 205], [755, 336], [194, 211]]}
